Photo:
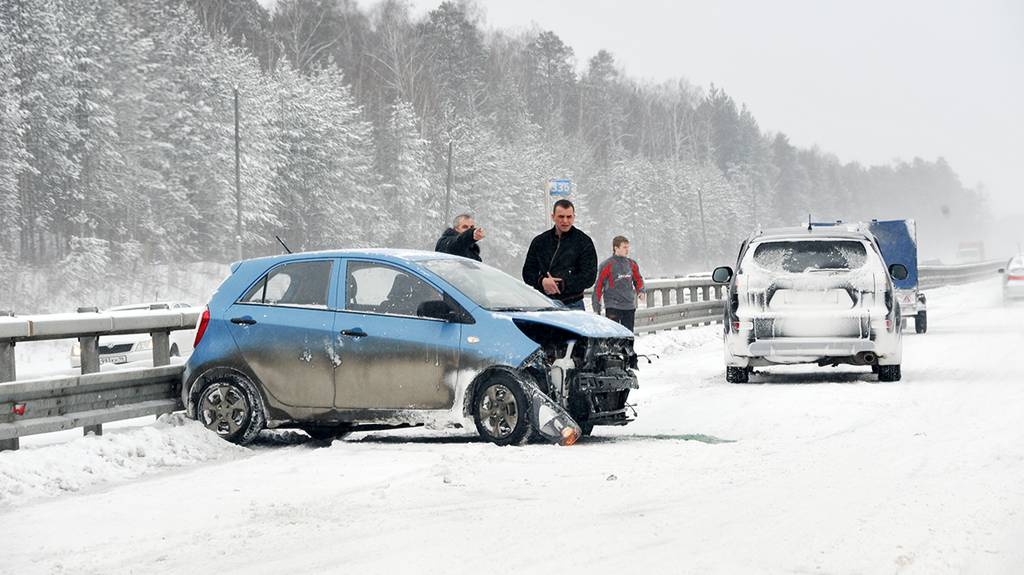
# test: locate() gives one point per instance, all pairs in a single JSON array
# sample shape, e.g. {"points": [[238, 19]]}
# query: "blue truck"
{"points": [[898, 241]]}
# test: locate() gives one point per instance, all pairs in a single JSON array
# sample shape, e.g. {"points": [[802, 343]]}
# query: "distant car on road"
{"points": [[820, 294], [1013, 279], [333, 341], [128, 348]]}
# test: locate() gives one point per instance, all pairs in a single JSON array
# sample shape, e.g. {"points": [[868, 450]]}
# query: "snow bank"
{"points": [[172, 442]]}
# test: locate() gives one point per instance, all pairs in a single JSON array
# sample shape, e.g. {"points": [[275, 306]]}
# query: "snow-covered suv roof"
{"points": [[814, 232]]}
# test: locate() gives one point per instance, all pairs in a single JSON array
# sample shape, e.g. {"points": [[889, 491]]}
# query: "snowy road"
{"points": [[815, 470]]}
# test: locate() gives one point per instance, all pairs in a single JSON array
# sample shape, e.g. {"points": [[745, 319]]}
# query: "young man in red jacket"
{"points": [[619, 282]]}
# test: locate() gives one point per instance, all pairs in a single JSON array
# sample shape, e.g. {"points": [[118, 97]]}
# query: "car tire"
{"points": [[501, 411], [587, 429], [874, 368], [737, 374], [889, 373], [921, 322], [230, 406], [174, 351]]}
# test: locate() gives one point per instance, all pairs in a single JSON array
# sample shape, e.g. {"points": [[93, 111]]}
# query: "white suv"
{"points": [[812, 295]]}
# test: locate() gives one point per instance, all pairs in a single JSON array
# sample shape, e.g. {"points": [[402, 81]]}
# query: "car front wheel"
{"points": [[921, 322], [501, 411], [229, 406]]}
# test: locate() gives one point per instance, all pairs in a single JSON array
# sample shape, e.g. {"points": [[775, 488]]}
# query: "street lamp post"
{"points": [[238, 185]]}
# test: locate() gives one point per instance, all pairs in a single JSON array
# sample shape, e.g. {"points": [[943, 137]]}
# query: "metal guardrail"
{"points": [[56, 403], [931, 276]]}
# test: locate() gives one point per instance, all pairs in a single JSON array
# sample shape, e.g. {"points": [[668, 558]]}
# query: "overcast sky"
{"points": [[868, 80]]}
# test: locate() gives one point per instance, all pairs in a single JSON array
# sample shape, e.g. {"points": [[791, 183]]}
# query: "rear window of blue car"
{"points": [[305, 283]]}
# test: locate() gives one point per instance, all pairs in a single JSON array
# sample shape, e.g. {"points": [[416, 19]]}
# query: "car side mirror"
{"points": [[437, 309], [898, 272], [444, 310], [722, 275]]}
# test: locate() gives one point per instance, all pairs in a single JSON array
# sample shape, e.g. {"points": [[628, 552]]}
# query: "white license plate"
{"points": [[113, 359]]}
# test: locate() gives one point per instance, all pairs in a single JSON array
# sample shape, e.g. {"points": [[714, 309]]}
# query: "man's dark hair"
{"points": [[563, 203], [618, 241]]}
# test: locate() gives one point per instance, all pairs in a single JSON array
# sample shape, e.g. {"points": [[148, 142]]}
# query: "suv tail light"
{"points": [[203, 322]]}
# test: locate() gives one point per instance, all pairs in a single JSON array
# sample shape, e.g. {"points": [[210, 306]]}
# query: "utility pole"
{"points": [[448, 186], [703, 227], [238, 185]]}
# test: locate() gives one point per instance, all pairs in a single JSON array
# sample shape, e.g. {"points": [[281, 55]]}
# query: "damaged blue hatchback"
{"points": [[337, 341]]}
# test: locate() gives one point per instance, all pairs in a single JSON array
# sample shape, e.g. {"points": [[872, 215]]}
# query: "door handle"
{"points": [[244, 320], [354, 332]]}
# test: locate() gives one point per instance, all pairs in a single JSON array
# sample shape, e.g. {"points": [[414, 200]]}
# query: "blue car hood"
{"points": [[579, 322]]}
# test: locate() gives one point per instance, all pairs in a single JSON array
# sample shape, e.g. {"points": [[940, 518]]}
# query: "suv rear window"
{"points": [[803, 256]]}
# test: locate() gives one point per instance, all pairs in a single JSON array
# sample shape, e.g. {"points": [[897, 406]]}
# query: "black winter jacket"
{"points": [[452, 242], [571, 257]]}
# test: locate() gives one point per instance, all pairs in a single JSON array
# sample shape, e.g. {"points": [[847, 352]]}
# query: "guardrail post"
{"points": [[161, 348], [7, 373], [693, 295], [89, 346]]}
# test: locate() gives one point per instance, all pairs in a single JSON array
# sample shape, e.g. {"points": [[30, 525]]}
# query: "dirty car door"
{"points": [[284, 329], [390, 358]]}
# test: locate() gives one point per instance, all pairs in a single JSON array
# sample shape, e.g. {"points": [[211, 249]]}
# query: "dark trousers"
{"points": [[624, 316]]}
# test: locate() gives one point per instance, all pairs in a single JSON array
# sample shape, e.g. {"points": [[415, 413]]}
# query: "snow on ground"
{"points": [[806, 470]]}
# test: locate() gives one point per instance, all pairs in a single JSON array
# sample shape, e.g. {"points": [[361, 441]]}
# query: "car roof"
{"points": [[146, 305], [831, 232], [385, 254]]}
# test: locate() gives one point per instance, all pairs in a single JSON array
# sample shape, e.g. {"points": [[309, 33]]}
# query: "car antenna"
{"points": [[284, 245]]}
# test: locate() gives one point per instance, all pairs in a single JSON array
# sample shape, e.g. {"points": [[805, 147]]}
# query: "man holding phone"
{"points": [[461, 239]]}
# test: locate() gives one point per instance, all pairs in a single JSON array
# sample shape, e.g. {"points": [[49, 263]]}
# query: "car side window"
{"points": [[380, 288], [304, 284]]}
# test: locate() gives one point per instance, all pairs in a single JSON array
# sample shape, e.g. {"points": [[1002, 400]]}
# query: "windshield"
{"points": [[489, 287], [808, 256]]}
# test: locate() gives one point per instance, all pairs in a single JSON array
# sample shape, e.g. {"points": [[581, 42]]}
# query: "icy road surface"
{"points": [[813, 470]]}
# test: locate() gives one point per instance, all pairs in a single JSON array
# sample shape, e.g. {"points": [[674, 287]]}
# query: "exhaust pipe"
{"points": [[866, 358]]}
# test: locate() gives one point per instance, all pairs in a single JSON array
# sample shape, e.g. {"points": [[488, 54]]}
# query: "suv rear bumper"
{"points": [[810, 346]]}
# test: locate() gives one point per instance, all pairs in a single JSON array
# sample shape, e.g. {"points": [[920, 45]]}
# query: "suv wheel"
{"points": [[229, 406], [737, 374], [921, 322], [889, 373], [501, 411]]}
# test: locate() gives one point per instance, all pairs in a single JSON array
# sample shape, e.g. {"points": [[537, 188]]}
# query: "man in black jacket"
{"points": [[562, 261], [461, 239]]}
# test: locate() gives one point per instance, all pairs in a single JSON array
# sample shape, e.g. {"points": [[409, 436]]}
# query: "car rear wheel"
{"points": [[501, 411], [229, 406], [737, 374], [889, 373], [921, 322]]}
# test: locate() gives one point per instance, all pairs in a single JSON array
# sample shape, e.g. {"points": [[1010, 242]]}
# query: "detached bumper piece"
{"points": [[600, 398]]}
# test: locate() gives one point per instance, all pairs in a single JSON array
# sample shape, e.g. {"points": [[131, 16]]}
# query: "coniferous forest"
{"points": [[117, 147]]}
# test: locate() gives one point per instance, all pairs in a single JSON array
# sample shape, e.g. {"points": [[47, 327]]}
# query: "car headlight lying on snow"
{"points": [[549, 419]]}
